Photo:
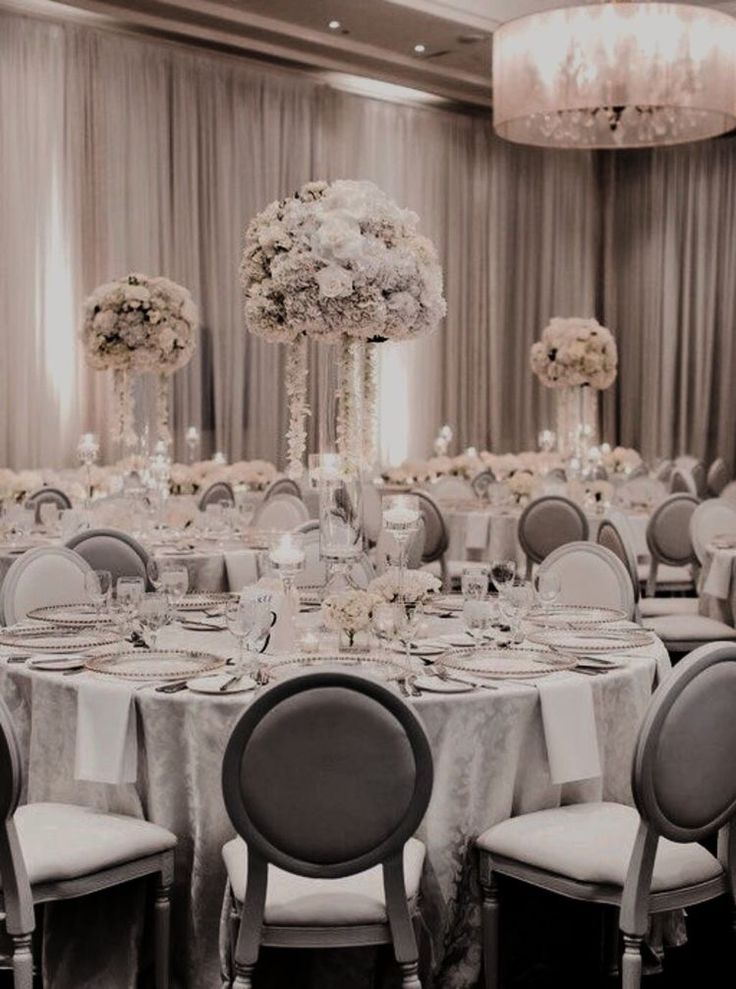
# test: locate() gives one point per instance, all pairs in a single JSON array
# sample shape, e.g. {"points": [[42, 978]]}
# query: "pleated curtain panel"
{"points": [[124, 153]]}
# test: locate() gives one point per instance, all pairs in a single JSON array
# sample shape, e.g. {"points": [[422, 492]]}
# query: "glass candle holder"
{"points": [[402, 519]]}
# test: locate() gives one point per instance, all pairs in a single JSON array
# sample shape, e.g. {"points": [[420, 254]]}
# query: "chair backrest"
{"points": [[436, 538], [282, 485], [556, 474], [305, 777], [591, 574], [718, 476], [683, 777], [482, 482], [668, 530], [372, 512], [615, 534], [682, 481], [47, 496], [42, 577], [549, 522], [281, 512], [113, 550], [18, 900], [218, 493], [448, 488], [713, 517], [664, 471], [700, 479]]}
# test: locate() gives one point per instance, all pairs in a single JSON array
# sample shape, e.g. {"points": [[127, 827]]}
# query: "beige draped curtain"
{"points": [[122, 153]]}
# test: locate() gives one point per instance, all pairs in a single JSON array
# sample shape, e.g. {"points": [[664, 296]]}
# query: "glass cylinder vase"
{"points": [[577, 421]]}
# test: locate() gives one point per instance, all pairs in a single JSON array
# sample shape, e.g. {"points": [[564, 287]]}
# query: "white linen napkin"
{"points": [[718, 581], [568, 717], [242, 568], [107, 740], [476, 530]]}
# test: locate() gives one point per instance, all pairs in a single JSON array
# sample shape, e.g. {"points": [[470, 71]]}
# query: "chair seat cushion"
{"points": [[667, 574], [63, 841], [690, 628], [297, 901], [592, 843], [656, 607]]}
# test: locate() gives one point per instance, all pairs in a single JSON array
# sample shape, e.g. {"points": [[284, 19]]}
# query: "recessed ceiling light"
{"points": [[334, 25], [420, 49]]}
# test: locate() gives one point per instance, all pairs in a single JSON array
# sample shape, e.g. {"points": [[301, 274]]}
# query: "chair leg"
{"points": [[631, 962], [22, 961], [162, 921], [243, 976], [490, 922], [410, 975]]}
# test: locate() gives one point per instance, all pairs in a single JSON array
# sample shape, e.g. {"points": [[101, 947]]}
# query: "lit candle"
{"points": [[219, 458]]}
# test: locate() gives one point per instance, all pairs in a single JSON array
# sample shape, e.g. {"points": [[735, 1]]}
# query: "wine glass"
{"points": [[154, 613], [98, 585], [474, 582], [384, 623], [516, 602], [175, 583], [503, 573], [249, 620], [548, 587], [409, 622], [130, 592]]}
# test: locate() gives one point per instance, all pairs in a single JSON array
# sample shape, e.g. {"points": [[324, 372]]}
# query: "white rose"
{"points": [[334, 282]]}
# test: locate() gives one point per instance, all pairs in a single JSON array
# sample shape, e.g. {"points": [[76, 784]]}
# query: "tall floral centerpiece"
{"points": [[578, 358], [339, 263], [139, 324]]}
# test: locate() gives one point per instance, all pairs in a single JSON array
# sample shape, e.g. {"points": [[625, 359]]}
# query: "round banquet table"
{"points": [[490, 763]]}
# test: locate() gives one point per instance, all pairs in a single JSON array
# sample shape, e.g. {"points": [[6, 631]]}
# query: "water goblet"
{"points": [[409, 622], [154, 612], [174, 581], [249, 620], [474, 582], [548, 587], [503, 573], [130, 591], [384, 624], [98, 585], [477, 618], [516, 602], [50, 516]]}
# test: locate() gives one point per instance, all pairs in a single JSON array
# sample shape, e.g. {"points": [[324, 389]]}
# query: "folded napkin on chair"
{"points": [[718, 581]]}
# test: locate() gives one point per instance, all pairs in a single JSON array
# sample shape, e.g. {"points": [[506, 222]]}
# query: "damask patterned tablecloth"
{"points": [[490, 763]]}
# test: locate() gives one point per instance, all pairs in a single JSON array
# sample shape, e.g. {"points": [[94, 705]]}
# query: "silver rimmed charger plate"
{"points": [[581, 642], [203, 602], [47, 640], [361, 663], [72, 615], [511, 662], [576, 616], [157, 664]]}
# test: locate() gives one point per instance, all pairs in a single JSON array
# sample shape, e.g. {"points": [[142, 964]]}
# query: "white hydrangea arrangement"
{"points": [[521, 484], [575, 352], [338, 262], [417, 587], [139, 324], [621, 460], [350, 611]]}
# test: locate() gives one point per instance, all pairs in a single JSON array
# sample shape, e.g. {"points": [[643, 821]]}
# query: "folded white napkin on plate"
{"points": [[242, 568], [568, 717], [476, 530], [107, 741], [718, 581]]}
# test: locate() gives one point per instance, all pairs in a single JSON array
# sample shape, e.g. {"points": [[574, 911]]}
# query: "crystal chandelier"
{"points": [[615, 75]]}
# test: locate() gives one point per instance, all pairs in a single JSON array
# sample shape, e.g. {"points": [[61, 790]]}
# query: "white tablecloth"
{"points": [[490, 763]]}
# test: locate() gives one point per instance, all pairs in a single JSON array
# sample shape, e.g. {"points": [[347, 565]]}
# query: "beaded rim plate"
{"points": [[444, 602], [158, 664], [73, 615], [46, 640], [361, 663], [578, 641], [511, 662], [577, 615], [203, 602]]}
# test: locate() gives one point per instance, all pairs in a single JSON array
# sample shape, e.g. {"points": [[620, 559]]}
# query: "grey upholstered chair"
{"points": [[682, 481], [670, 545], [549, 522], [218, 493], [306, 786], [483, 482], [718, 477], [51, 852], [281, 512], [436, 537], [47, 496], [646, 860], [113, 550], [700, 479], [282, 485], [590, 575], [712, 517], [40, 578], [613, 534]]}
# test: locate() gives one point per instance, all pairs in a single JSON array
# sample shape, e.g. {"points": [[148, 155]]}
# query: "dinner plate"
{"points": [[157, 664], [512, 662], [436, 685], [204, 602], [45, 640], [73, 615], [214, 684], [424, 647], [580, 642], [57, 662], [576, 616], [362, 664]]}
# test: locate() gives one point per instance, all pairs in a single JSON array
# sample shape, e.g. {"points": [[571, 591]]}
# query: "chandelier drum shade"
{"points": [[615, 75]]}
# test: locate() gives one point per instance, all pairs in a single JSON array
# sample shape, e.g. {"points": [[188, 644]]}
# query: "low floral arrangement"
{"points": [[350, 612], [575, 352], [255, 475], [417, 588], [621, 460], [503, 465], [338, 262], [522, 484], [139, 324]]}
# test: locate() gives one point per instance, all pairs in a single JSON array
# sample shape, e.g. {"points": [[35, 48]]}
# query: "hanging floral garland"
{"points": [[296, 390], [338, 262], [139, 324], [370, 403]]}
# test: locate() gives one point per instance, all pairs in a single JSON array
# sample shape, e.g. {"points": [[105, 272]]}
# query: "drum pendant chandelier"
{"points": [[615, 75]]}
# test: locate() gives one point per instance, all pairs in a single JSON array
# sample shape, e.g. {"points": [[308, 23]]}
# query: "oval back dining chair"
{"points": [[718, 477], [436, 536], [591, 575], [305, 785], [113, 550], [482, 482], [47, 496], [549, 522], [614, 534], [282, 485], [40, 578], [372, 513], [711, 518], [646, 860], [451, 489], [682, 481], [669, 542], [96, 851], [282, 512], [218, 493]]}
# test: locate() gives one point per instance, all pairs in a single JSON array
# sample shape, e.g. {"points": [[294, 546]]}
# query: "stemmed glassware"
{"points": [[503, 573], [287, 557], [477, 617], [249, 620], [402, 519], [409, 622], [154, 612], [98, 585], [384, 623], [174, 582], [129, 592], [516, 602], [548, 587], [474, 582]]}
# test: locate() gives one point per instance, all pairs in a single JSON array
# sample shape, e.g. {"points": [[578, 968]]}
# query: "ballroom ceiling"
{"points": [[375, 39]]}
